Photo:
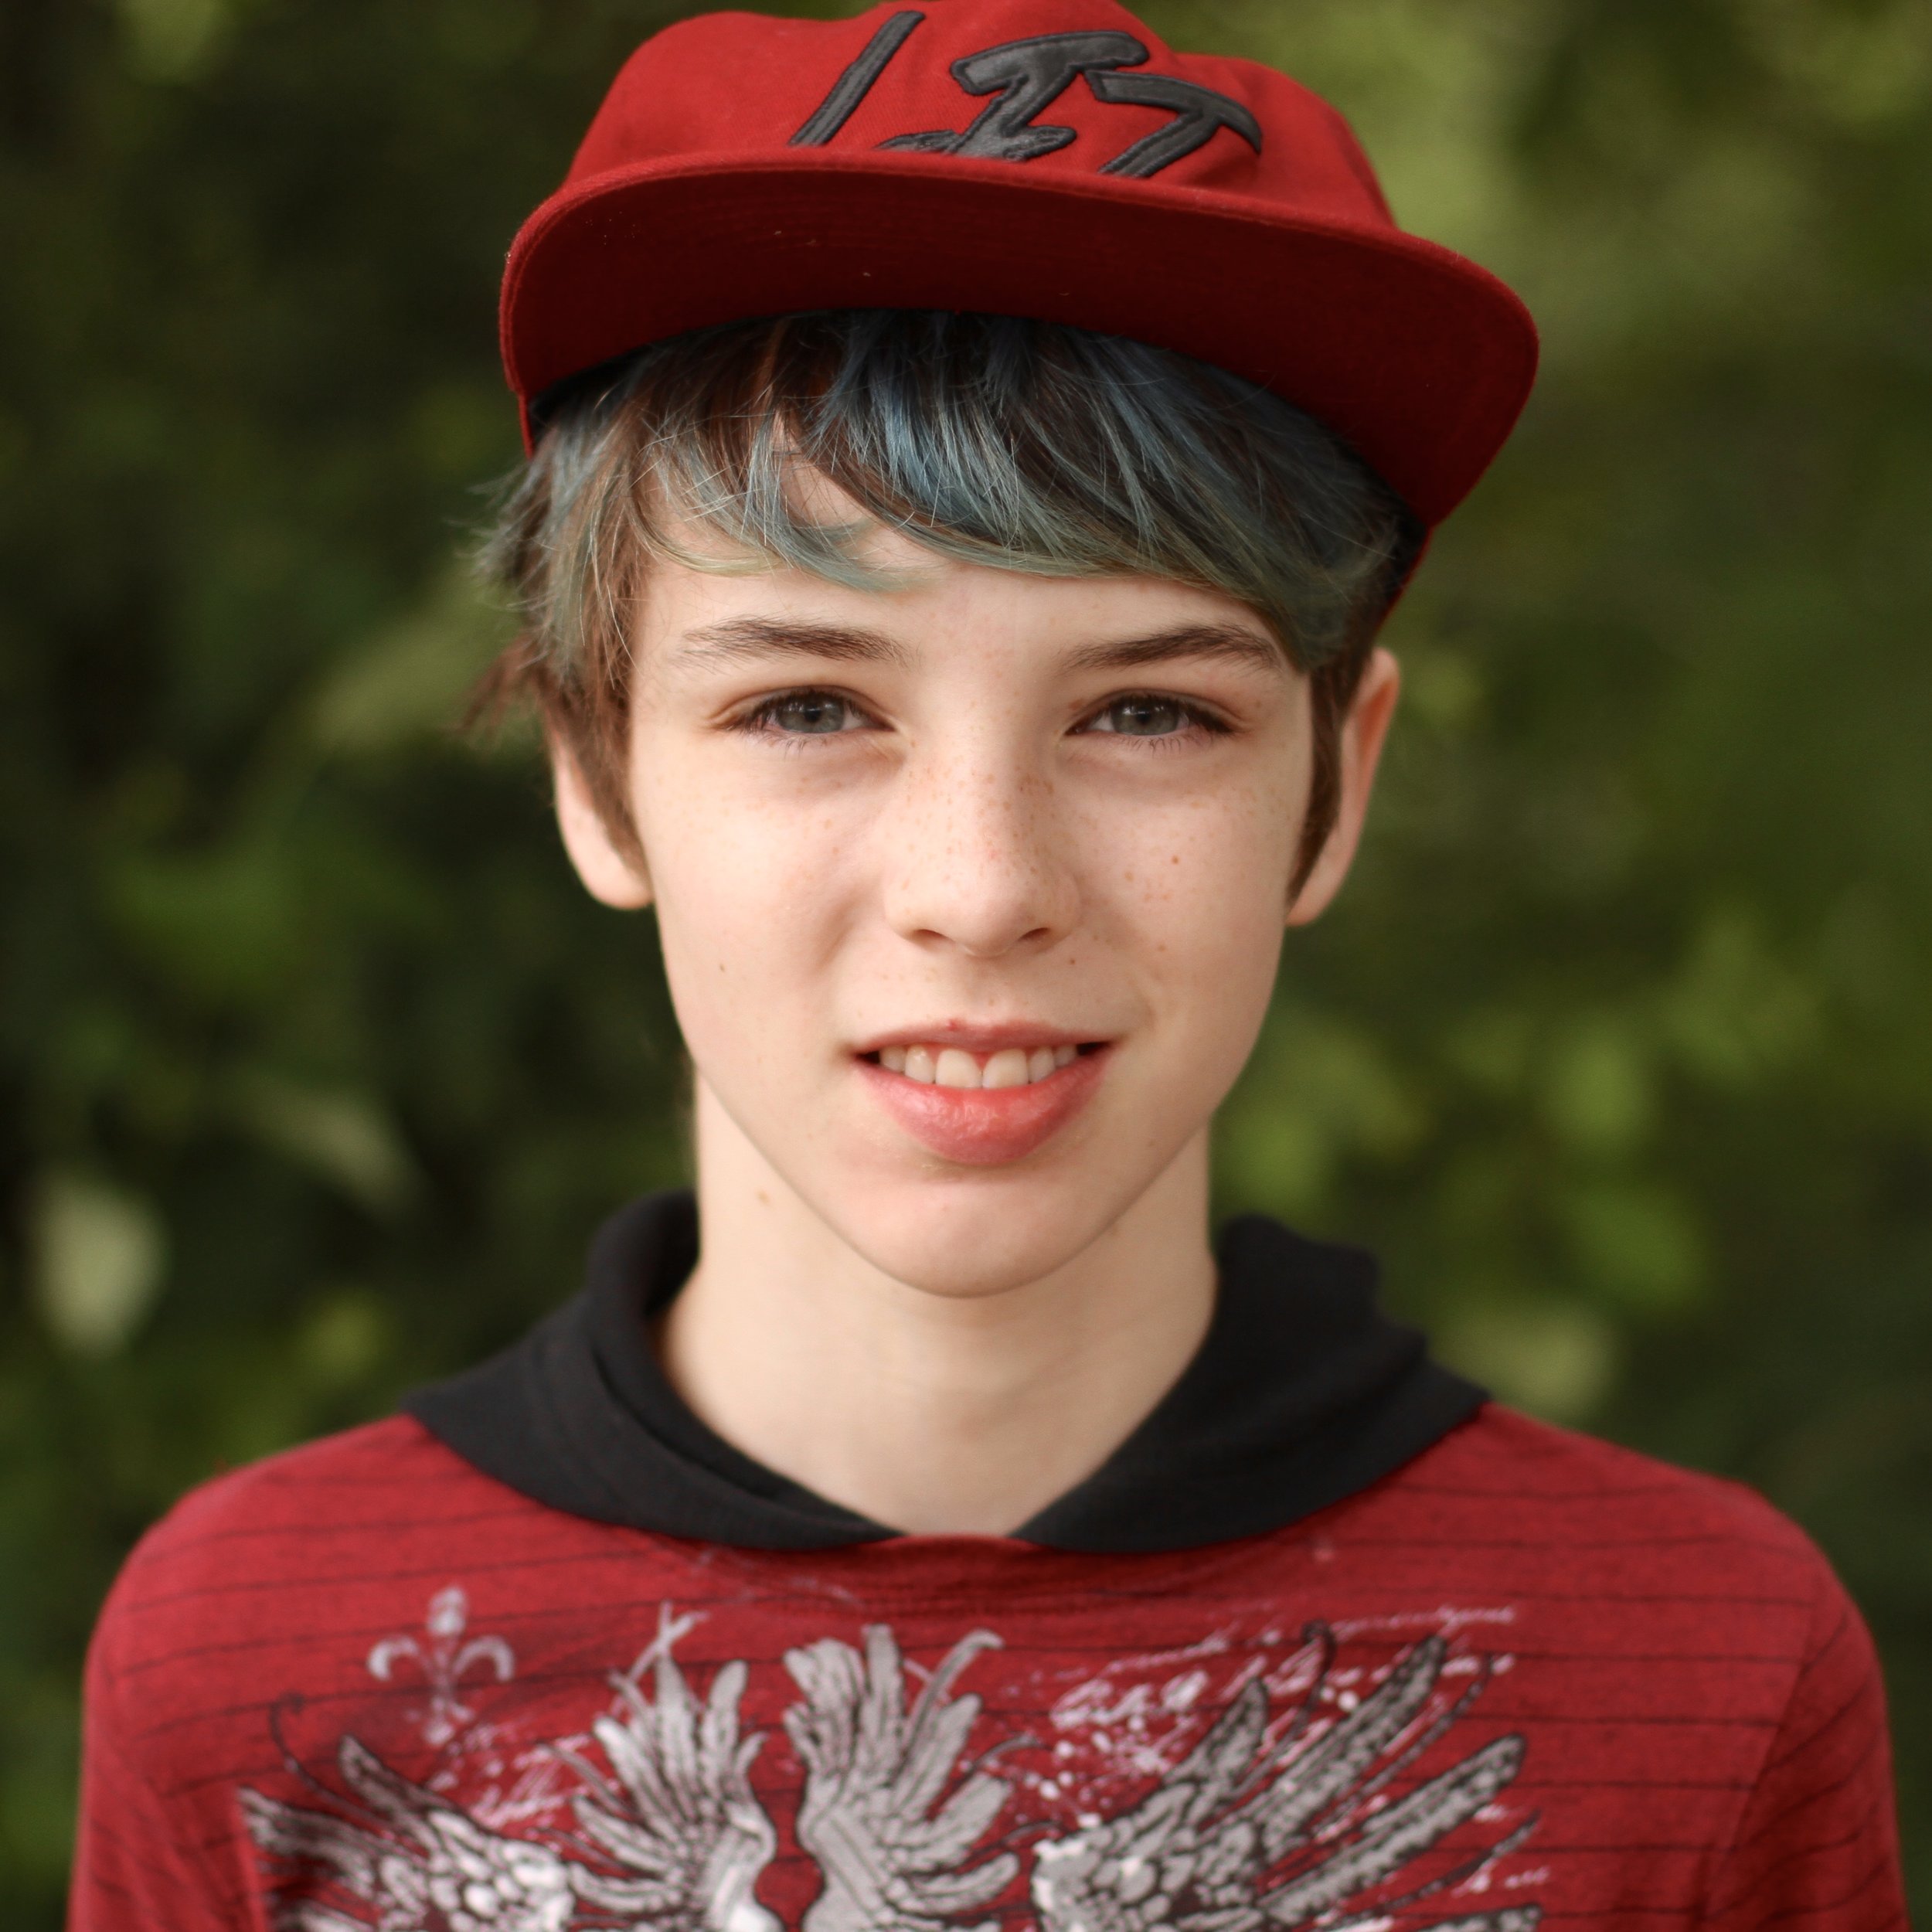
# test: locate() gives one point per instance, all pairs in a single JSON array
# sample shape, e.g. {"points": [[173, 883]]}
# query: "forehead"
{"points": [[960, 619], [903, 602]]}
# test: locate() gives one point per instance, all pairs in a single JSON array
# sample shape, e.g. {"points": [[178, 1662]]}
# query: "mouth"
{"points": [[985, 1105], [931, 1064]]}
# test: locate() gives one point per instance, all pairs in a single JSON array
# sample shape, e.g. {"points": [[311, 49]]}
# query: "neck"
{"points": [[933, 1413]]}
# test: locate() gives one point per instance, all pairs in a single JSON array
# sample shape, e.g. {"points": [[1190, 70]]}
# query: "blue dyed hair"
{"points": [[1026, 446]]}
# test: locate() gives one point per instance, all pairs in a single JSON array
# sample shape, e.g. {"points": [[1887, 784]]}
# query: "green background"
{"points": [[315, 1066]]}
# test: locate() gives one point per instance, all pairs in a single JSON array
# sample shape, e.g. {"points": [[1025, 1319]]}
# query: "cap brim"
{"points": [[1420, 360]]}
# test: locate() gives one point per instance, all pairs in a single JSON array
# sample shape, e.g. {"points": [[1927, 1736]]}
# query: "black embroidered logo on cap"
{"points": [[1026, 77]]}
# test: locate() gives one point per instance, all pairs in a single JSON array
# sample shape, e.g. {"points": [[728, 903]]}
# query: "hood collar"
{"points": [[1301, 1393]]}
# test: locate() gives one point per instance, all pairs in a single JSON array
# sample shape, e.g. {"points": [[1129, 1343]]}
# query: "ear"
{"points": [[608, 872], [1364, 730]]}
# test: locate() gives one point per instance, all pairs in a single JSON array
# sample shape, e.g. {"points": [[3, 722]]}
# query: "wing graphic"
{"points": [[875, 1770], [419, 1861], [1244, 1836], [681, 1823]]}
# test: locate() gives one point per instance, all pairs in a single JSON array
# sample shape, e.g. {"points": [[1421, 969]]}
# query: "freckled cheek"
{"points": [[1208, 900], [748, 906]]}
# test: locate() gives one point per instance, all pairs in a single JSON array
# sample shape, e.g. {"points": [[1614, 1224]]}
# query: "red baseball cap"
{"points": [[1046, 158]]}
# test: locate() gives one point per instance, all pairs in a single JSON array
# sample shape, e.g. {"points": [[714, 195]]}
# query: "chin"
{"points": [[968, 1235]]}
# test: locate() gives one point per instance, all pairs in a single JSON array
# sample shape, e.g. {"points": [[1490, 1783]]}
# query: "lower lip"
{"points": [[986, 1126]]}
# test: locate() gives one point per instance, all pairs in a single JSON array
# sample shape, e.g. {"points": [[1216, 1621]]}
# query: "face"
{"points": [[971, 891]]}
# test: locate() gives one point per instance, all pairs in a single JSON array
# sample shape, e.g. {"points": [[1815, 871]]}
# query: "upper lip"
{"points": [[979, 1040]]}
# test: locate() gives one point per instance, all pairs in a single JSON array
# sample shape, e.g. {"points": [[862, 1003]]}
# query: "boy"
{"points": [[950, 571]]}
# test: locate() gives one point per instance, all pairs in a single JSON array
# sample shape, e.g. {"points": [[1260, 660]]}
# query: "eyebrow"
{"points": [[747, 640], [1229, 643]]}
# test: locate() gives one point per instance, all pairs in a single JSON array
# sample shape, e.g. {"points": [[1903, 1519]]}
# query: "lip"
{"points": [[980, 1125]]}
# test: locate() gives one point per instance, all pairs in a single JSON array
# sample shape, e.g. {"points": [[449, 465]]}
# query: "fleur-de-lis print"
{"points": [[445, 1655]]}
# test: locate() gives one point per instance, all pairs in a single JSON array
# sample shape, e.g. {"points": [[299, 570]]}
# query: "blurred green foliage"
{"points": [[315, 1066]]}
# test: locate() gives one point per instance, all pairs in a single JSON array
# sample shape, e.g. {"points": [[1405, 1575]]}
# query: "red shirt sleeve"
{"points": [[138, 1867], [1816, 1847]]}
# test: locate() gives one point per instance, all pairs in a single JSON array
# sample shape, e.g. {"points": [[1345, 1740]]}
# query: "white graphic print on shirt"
{"points": [[1276, 1818]]}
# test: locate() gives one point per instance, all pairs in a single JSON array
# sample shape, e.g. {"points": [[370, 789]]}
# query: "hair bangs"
{"points": [[1019, 445]]}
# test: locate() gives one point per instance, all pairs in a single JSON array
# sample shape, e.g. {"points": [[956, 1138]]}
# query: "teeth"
{"points": [[953, 1066], [955, 1069], [1006, 1068]]}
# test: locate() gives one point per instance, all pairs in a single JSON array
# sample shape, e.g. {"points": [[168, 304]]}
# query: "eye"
{"points": [[806, 714], [1148, 714]]}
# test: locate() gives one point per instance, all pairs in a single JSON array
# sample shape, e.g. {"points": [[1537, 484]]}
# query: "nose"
{"points": [[973, 856]]}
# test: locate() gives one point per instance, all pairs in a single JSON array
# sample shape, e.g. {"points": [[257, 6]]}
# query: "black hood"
{"points": [[1301, 1393]]}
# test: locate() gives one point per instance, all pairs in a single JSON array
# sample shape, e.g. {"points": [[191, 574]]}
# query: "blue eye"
{"points": [[808, 713]]}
